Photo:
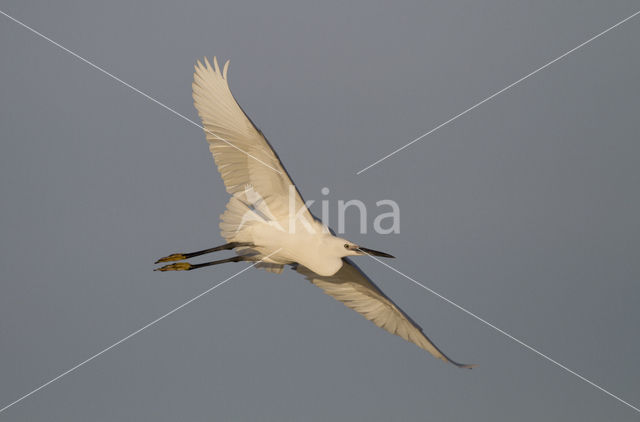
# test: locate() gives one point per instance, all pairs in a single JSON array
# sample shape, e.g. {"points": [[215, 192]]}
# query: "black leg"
{"points": [[185, 266], [181, 256]]}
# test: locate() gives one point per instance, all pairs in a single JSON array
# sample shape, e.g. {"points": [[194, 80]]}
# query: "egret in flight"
{"points": [[266, 220]]}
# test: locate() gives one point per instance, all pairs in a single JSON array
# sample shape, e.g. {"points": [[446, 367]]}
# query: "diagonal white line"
{"points": [[149, 97], [506, 334], [497, 93], [139, 330]]}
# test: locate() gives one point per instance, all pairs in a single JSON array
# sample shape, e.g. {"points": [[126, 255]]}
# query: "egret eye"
{"points": [[346, 246]]}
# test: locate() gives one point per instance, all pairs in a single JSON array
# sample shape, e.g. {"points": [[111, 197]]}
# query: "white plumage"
{"points": [[266, 219], [352, 287]]}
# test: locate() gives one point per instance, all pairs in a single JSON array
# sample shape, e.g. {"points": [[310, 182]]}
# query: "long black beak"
{"points": [[375, 253]]}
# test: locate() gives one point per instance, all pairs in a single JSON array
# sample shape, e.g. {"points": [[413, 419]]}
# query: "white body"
{"points": [[266, 212], [313, 250]]}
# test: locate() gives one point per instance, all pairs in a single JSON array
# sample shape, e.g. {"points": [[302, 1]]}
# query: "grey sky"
{"points": [[523, 211]]}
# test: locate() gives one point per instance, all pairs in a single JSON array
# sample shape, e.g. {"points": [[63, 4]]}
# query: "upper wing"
{"points": [[240, 150], [351, 287]]}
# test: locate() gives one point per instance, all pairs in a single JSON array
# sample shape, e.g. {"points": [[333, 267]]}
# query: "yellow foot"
{"points": [[173, 257], [179, 266]]}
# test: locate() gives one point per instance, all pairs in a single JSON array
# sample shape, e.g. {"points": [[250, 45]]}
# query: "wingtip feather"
{"points": [[464, 365], [224, 70]]}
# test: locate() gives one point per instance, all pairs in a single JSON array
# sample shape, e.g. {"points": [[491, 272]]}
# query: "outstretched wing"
{"points": [[351, 287], [240, 150]]}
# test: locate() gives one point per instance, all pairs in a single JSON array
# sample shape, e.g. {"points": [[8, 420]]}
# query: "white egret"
{"points": [[267, 220]]}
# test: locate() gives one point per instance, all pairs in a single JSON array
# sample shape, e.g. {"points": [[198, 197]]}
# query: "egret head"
{"points": [[347, 248]]}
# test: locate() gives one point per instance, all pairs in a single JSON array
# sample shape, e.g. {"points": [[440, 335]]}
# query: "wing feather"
{"points": [[240, 150], [351, 287]]}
